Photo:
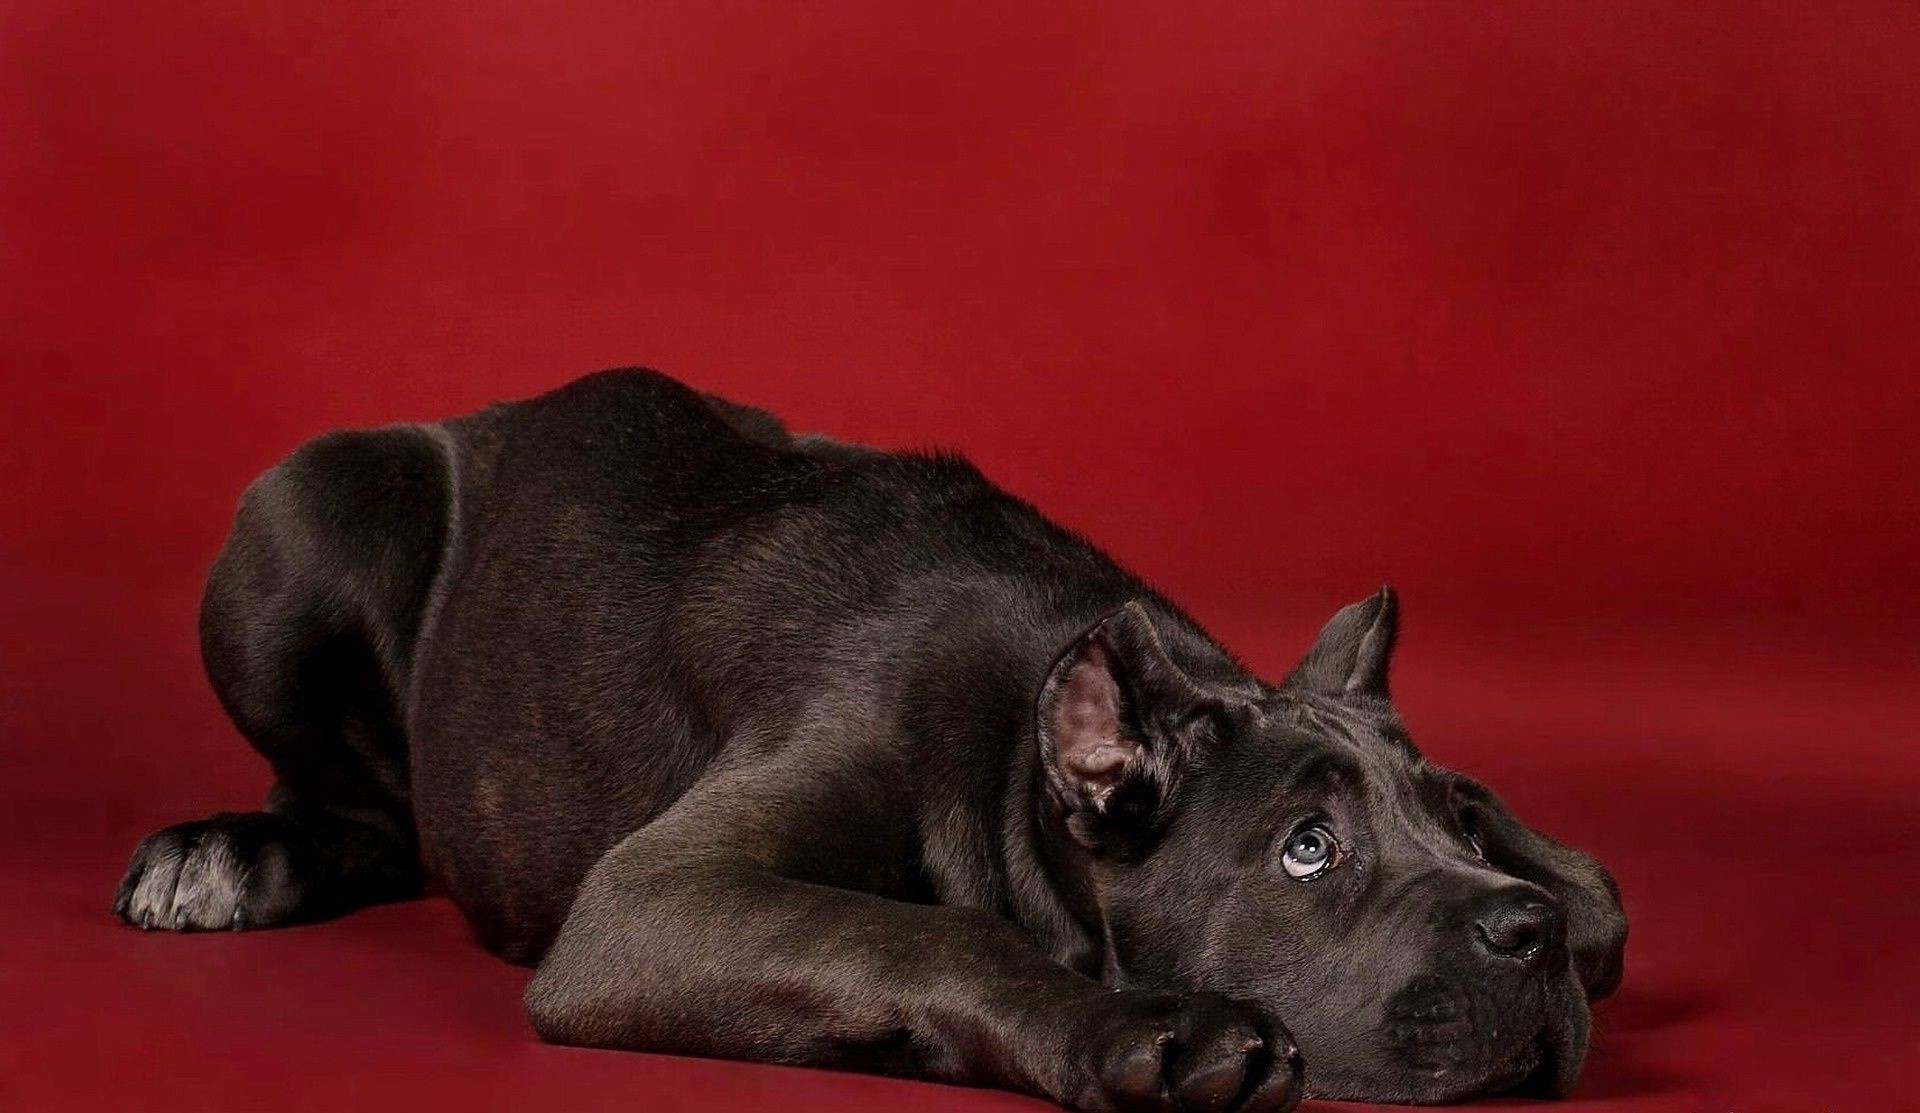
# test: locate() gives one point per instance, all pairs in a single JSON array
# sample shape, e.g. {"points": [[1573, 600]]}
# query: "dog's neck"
{"points": [[1047, 872]]}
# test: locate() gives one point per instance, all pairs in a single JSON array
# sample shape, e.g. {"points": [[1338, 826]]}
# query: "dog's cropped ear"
{"points": [[1596, 922], [1117, 719], [1351, 654]]}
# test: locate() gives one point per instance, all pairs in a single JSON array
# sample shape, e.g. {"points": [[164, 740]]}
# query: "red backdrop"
{"points": [[1590, 326]]}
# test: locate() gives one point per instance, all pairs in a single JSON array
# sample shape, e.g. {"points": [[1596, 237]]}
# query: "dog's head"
{"points": [[1290, 847]]}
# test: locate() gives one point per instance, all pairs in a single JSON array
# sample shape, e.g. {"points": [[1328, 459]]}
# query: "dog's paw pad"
{"points": [[227, 873]]}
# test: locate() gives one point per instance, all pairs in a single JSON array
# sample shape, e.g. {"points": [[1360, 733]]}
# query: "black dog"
{"points": [[778, 748]]}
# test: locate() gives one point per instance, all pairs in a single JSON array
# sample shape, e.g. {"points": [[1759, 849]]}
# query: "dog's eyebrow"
{"points": [[1333, 770], [1459, 784]]}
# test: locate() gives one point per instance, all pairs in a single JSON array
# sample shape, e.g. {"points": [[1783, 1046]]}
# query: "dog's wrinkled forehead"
{"points": [[1339, 742], [1368, 729], [1319, 749]]}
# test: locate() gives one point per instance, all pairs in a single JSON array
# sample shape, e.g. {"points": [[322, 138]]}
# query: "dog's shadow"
{"points": [[1628, 1033], [1637, 1011]]}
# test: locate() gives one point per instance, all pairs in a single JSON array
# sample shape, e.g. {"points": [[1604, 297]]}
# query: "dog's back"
{"points": [[503, 642]]}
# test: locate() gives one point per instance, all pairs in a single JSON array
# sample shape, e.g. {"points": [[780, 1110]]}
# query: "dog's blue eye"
{"points": [[1309, 853]]}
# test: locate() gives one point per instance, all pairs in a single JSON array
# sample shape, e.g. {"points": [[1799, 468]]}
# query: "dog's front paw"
{"points": [[1195, 1053], [228, 872]]}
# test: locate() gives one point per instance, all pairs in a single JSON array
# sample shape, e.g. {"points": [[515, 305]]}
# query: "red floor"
{"points": [[1757, 812]]}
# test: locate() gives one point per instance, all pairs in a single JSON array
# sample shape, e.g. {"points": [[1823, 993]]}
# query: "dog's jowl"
{"points": [[779, 748]]}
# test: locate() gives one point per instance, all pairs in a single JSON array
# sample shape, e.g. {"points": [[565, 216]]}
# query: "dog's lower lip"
{"points": [[1542, 1079]]}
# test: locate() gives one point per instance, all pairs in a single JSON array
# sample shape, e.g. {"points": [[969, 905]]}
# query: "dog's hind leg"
{"points": [[308, 630]]}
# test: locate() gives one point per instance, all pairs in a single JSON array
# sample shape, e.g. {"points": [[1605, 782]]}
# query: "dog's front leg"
{"points": [[711, 932]]}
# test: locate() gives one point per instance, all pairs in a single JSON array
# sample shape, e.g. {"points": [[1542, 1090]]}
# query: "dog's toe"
{"points": [[145, 898], [226, 873]]}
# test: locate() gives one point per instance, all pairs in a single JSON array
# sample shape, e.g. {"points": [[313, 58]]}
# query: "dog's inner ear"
{"points": [[1351, 655], [1114, 718], [1092, 749]]}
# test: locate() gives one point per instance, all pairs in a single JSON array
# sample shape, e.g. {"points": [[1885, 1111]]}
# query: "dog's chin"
{"points": [[1545, 1067], [1438, 1050], [1563, 1039], [1548, 1064]]}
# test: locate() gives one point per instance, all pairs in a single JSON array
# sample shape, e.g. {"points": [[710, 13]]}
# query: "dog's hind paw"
{"points": [[231, 871]]}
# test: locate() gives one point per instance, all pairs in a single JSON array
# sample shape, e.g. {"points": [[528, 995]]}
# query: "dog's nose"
{"points": [[1520, 926]]}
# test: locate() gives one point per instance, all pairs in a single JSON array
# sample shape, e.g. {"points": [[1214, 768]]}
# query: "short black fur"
{"points": [[780, 748]]}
